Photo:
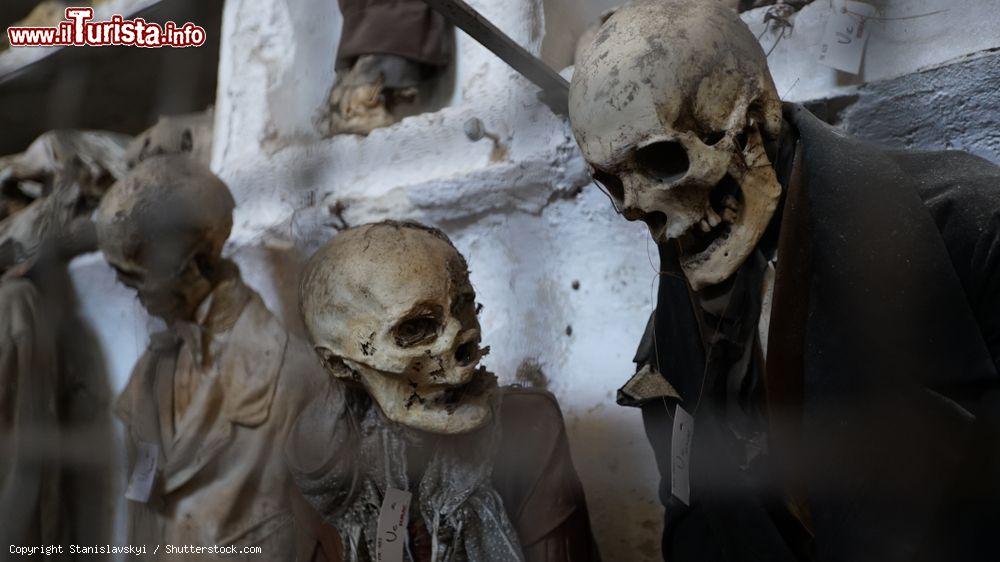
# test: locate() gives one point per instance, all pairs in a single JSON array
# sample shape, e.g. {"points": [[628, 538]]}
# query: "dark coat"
{"points": [[881, 390]]}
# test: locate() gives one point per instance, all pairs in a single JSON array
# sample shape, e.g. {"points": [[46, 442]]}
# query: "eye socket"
{"points": [[666, 161], [713, 137], [415, 331]]}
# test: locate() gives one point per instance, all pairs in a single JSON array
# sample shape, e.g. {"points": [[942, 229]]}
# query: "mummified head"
{"points": [[671, 105], [189, 134], [390, 306], [162, 228]]}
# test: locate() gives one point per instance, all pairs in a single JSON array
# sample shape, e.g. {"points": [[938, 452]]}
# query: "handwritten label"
{"points": [[845, 35], [393, 518], [140, 483], [680, 455]]}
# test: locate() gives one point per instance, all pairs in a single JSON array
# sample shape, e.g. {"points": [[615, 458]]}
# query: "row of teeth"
{"points": [[730, 210]]}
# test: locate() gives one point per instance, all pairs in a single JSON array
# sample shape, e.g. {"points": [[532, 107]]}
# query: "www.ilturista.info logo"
{"points": [[79, 30]]}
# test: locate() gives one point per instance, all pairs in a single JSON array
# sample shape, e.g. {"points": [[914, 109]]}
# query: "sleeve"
{"points": [[536, 477], [406, 28]]}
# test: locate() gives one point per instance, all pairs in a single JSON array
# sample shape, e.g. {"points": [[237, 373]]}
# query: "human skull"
{"points": [[671, 106], [390, 306], [48, 191], [189, 134], [94, 158], [162, 228]]}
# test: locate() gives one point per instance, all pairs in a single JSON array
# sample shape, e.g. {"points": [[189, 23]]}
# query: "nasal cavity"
{"points": [[665, 161]]}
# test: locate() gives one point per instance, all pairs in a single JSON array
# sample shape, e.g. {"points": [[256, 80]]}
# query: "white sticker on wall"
{"points": [[140, 483], [680, 455], [845, 35], [393, 520]]}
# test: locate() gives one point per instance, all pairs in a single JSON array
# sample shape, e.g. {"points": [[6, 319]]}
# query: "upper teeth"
{"points": [[712, 217], [731, 209]]}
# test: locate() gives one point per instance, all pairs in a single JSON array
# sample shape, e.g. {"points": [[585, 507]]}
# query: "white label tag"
{"points": [[680, 455], [393, 520], [845, 35], [140, 484]]}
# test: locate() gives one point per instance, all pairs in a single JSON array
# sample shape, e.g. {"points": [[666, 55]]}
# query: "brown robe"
{"points": [[56, 442], [31, 510]]}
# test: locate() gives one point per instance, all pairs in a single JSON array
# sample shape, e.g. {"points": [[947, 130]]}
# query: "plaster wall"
{"points": [[566, 285]]}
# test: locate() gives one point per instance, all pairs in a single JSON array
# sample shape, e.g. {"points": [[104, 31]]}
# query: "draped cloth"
{"points": [[344, 455], [30, 504], [55, 429]]}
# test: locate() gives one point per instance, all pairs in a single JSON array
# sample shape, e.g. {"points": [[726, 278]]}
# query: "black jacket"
{"points": [[880, 395]]}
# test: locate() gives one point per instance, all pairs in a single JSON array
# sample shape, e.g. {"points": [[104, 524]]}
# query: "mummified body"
{"points": [[829, 310], [55, 486], [392, 315], [211, 400]]}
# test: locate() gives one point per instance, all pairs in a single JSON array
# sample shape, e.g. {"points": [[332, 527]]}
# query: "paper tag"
{"points": [[140, 484], [680, 455], [393, 519], [845, 35]]}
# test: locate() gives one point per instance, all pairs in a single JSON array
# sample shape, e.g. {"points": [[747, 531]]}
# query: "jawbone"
{"points": [[434, 409], [727, 252]]}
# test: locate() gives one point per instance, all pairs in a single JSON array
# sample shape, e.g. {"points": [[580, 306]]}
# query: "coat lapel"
{"points": [[201, 434], [240, 394], [143, 390]]}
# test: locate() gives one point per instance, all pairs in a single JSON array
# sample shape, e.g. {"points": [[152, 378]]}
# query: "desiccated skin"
{"points": [[390, 305], [162, 229], [671, 105]]}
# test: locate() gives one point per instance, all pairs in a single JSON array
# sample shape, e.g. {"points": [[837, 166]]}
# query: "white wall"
{"points": [[904, 37], [529, 222]]}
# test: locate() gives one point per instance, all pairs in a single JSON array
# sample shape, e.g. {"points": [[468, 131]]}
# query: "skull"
{"points": [[390, 306], [162, 228], [180, 134], [671, 106], [94, 158], [48, 192]]}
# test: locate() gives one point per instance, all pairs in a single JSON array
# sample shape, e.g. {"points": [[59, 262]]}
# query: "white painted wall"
{"points": [[904, 37], [529, 223]]}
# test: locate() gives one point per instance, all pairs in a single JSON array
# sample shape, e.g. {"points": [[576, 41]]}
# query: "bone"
{"points": [[731, 202], [429, 394], [680, 77], [713, 218]]}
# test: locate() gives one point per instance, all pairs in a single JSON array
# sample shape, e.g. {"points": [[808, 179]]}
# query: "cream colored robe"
{"points": [[221, 478]]}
